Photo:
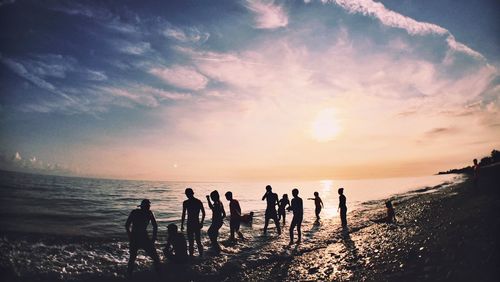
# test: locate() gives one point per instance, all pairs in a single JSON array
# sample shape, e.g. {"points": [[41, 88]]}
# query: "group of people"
{"points": [[176, 249]]}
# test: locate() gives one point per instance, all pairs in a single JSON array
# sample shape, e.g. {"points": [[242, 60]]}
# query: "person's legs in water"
{"points": [[197, 234], [277, 223], [190, 235], [299, 231], [151, 251], [131, 260], [292, 227], [266, 223], [317, 211]]}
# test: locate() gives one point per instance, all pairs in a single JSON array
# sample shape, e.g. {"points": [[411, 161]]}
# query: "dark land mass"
{"points": [[445, 233]]}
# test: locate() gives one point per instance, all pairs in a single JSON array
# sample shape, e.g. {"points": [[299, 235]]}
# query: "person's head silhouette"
{"points": [[285, 196], [388, 204], [214, 195], [229, 195], [295, 192], [475, 161], [269, 188], [341, 191], [189, 193], [145, 204], [316, 194]]}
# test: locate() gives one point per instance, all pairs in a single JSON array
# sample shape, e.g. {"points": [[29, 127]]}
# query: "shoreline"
{"points": [[408, 250]]}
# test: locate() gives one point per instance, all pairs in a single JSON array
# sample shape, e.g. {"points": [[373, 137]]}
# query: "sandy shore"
{"points": [[443, 233]]}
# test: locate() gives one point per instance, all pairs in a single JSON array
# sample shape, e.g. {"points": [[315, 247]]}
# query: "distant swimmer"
{"points": [[475, 177], [193, 207], [218, 215], [282, 208], [298, 214], [138, 236], [235, 220], [318, 203], [342, 207], [176, 249], [272, 202]]}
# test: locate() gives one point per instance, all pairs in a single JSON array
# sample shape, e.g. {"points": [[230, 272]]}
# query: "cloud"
{"points": [[137, 48], [21, 70], [188, 35], [145, 95], [96, 75], [439, 131], [396, 20], [268, 15], [181, 76], [16, 162]]}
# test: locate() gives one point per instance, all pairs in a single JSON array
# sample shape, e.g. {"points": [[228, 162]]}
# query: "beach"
{"points": [[444, 232]]}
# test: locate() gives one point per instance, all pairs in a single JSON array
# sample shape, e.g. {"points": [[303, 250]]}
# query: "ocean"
{"points": [[67, 226]]}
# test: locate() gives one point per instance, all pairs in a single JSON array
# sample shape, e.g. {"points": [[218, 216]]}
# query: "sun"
{"points": [[325, 126]]}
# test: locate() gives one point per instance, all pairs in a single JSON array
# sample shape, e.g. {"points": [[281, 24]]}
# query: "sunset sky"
{"points": [[248, 90]]}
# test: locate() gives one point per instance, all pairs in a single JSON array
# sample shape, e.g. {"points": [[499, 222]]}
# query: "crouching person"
{"points": [[176, 249]]}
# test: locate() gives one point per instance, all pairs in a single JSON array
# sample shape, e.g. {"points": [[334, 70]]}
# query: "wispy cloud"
{"points": [[181, 76], [23, 72], [132, 48], [144, 95], [396, 20], [186, 35], [268, 15]]}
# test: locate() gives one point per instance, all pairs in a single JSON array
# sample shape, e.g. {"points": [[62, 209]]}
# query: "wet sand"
{"points": [[443, 233]]}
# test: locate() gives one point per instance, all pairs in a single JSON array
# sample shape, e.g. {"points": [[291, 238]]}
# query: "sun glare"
{"points": [[325, 126]]}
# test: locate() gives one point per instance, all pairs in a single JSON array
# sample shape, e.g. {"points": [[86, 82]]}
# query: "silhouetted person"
{"points": [[298, 214], [475, 177], [193, 207], [138, 236], [318, 203], [272, 201], [235, 220], [218, 215], [176, 249], [342, 207], [391, 214], [282, 208]]}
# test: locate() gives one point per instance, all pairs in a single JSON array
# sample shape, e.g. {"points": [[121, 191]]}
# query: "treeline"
{"points": [[494, 157]]}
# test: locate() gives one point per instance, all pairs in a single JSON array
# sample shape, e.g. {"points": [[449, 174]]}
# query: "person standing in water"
{"points": [[342, 208], [318, 203], [272, 201], [282, 208], [235, 220], [138, 236], [218, 215], [193, 207], [298, 214]]}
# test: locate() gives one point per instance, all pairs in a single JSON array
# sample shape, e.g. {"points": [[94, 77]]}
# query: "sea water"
{"points": [[68, 226]]}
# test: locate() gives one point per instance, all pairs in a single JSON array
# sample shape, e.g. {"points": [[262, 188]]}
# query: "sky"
{"points": [[248, 90]]}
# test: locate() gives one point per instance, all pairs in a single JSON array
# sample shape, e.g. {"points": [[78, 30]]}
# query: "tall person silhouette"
{"points": [[342, 208], [218, 215], [235, 220], [138, 236], [298, 214], [271, 213], [193, 207]]}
